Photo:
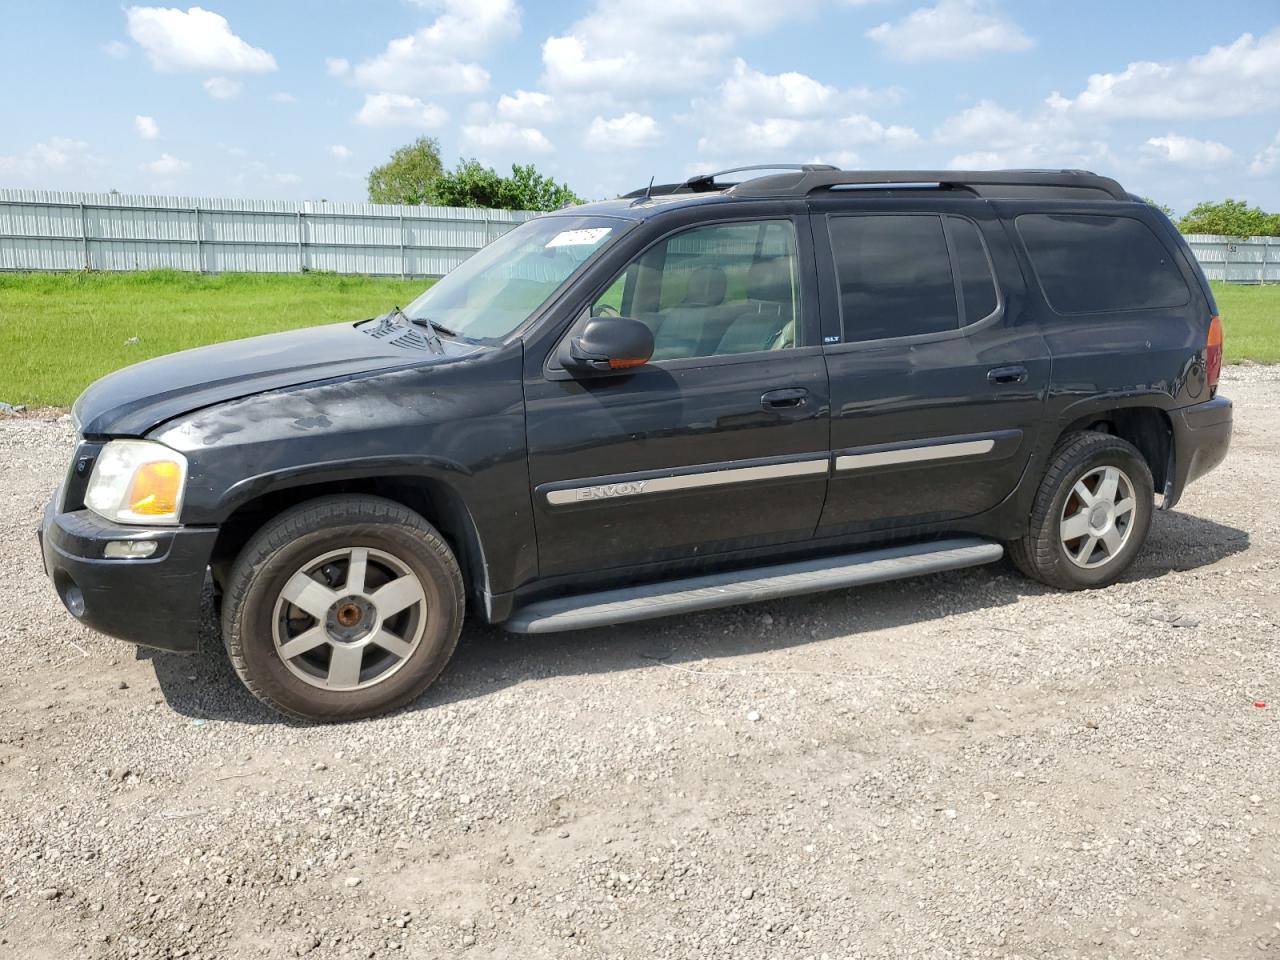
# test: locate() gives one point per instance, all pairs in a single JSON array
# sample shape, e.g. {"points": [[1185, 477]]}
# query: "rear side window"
{"points": [[899, 276], [1100, 264]]}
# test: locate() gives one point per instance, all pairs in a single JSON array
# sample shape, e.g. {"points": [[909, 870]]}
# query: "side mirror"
{"points": [[608, 344]]}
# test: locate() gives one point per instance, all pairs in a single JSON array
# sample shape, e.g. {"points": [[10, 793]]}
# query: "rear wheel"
{"points": [[1091, 514], [342, 607]]}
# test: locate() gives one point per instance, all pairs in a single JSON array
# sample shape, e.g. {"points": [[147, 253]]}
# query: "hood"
{"points": [[131, 401]]}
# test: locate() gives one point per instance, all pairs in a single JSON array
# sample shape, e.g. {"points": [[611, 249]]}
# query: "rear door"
{"points": [[938, 370]]}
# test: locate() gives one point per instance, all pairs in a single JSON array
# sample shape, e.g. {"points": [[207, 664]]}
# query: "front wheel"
{"points": [[342, 607], [1091, 514]]}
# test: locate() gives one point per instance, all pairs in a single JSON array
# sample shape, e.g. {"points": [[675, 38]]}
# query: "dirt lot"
{"points": [[966, 765]]}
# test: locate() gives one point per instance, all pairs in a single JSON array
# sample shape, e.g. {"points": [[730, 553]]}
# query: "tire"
{"points": [[1081, 466], [309, 582]]}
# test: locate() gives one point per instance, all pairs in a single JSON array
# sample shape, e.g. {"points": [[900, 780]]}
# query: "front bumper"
{"points": [[1201, 436], [154, 601]]}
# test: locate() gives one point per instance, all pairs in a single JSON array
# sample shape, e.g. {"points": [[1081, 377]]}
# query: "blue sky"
{"points": [[297, 99]]}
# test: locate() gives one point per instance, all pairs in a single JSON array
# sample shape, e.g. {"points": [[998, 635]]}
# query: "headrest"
{"points": [[769, 280], [707, 286]]}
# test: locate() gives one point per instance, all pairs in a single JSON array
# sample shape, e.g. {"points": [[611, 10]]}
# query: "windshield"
{"points": [[496, 289]]}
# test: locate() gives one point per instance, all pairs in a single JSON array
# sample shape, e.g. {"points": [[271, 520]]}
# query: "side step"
{"points": [[649, 600]]}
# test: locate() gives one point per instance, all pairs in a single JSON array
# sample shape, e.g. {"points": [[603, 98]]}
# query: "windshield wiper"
{"points": [[433, 329], [435, 325]]}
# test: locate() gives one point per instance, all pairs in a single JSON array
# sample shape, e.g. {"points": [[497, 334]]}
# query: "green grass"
{"points": [[61, 331], [1250, 322]]}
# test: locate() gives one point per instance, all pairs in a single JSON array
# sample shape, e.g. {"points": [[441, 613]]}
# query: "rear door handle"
{"points": [[1007, 375], [785, 399]]}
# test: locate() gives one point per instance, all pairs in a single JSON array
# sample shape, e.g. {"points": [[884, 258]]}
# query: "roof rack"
{"points": [[1008, 184]]}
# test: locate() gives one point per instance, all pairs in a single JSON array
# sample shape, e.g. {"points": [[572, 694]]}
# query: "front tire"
{"points": [[341, 608], [1091, 513]]}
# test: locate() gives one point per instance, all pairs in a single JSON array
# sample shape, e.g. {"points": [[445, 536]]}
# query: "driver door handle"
{"points": [[786, 399], [1017, 374]]}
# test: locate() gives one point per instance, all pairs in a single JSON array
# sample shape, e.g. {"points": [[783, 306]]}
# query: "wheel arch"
{"points": [[1144, 425], [431, 496]]}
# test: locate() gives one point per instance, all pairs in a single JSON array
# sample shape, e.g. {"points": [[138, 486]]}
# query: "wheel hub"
{"points": [[1100, 518], [350, 619]]}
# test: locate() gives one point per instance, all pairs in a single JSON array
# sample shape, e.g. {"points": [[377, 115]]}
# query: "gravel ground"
{"points": [[965, 765]]}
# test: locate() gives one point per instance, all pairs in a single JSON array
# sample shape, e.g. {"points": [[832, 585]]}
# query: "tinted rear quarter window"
{"points": [[1088, 263]]}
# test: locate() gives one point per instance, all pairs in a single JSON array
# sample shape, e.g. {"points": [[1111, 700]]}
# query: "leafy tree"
{"points": [[1166, 210], [409, 175], [1230, 218], [471, 184], [534, 191]]}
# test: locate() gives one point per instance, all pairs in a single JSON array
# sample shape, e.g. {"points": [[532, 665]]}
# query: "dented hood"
{"points": [[132, 401]]}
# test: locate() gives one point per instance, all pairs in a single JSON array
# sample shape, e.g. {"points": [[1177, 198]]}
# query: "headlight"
{"points": [[137, 481]]}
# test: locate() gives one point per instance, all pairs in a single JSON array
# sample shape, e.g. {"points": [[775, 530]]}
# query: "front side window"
{"points": [[496, 289], [709, 291], [903, 275], [1097, 264]]}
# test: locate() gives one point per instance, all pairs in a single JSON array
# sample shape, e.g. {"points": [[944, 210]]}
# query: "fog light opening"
{"points": [[73, 600], [129, 549]]}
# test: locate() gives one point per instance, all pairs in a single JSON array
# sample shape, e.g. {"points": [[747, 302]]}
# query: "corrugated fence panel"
{"points": [[1233, 260], [53, 230]]}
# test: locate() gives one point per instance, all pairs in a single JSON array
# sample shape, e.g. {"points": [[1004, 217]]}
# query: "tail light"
{"points": [[1213, 354]]}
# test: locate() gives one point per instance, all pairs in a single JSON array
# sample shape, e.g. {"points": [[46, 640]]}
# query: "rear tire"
{"points": [[1091, 515], [342, 607]]}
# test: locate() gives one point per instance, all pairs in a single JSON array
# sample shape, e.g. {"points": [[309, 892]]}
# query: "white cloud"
{"points": [[146, 127], [339, 152], [629, 131], [193, 41], [1241, 78], [431, 58], [1187, 151], [526, 106], [56, 154], [283, 97], [399, 110], [284, 179], [787, 94], [1267, 160], [989, 135], [505, 135], [632, 48], [950, 30], [114, 48], [223, 88], [166, 165], [337, 66]]}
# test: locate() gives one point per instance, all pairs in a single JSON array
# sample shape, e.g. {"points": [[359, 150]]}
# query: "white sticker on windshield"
{"points": [[579, 238]]}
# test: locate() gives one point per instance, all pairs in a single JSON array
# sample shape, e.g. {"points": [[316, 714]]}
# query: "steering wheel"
{"points": [[605, 310]]}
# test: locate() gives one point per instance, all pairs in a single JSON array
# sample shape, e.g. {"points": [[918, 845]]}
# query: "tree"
{"points": [[1166, 210], [1230, 218], [409, 175], [471, 184]]}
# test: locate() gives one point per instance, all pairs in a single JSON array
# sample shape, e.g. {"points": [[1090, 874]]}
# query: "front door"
{"points": [[938, 370], [720, 443]]}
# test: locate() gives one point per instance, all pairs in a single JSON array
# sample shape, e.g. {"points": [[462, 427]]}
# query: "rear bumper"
{"points": [[1201, 436], [154, 601]]}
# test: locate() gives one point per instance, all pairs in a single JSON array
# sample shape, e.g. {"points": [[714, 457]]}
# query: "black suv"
{"points": [[697, 395]]}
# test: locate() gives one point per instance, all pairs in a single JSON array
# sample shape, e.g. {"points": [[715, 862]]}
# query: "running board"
{"points": [[649, 600]]}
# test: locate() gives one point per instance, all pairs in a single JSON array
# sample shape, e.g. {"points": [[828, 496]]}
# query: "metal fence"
{"points": [[1230, 259], [50, 230]]}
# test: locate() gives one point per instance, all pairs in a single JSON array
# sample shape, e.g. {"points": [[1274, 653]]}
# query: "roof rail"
{"points": [[1018, 183], [706, 182]]}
